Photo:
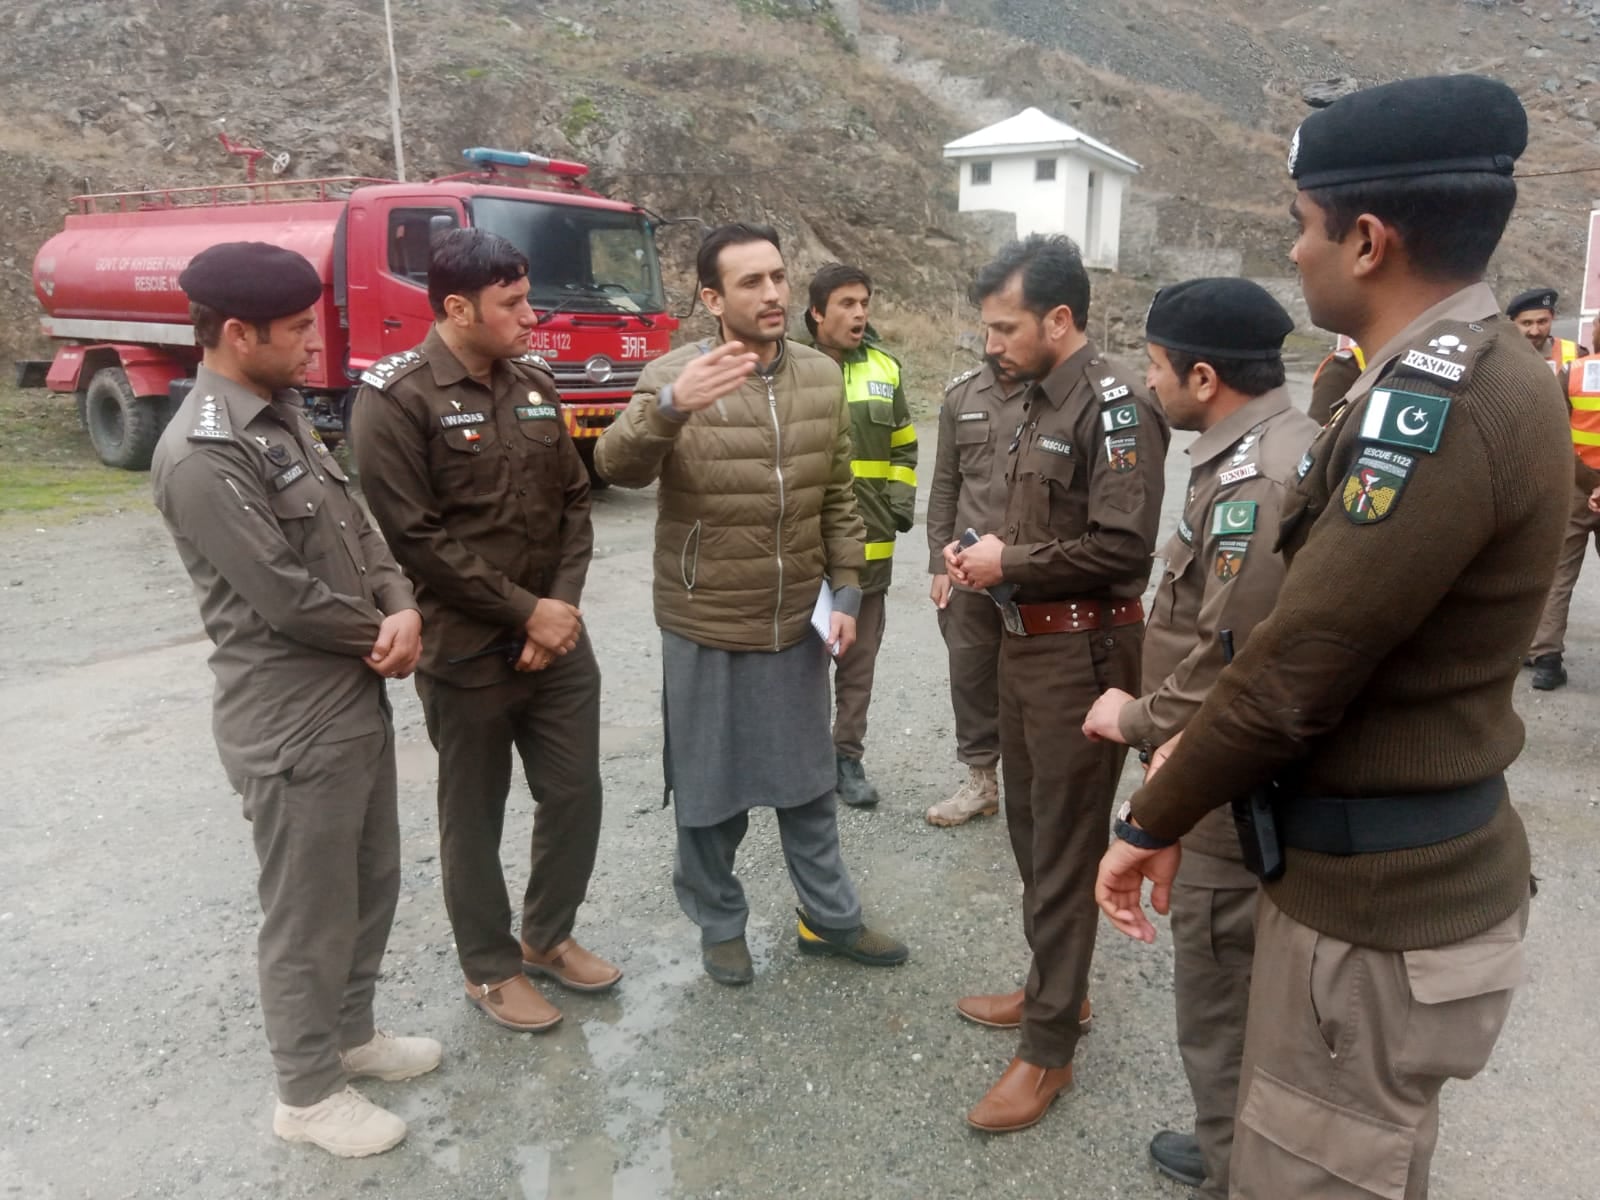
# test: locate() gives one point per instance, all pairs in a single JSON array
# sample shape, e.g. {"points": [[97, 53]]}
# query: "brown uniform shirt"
{"points": [[1223, 572], [1085, 480], [977, 421], [293, 582], [480, 492]]}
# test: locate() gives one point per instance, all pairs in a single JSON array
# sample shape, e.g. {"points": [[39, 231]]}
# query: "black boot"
{"points": [[1177, 1156], [1548, 673], [852, 784]]}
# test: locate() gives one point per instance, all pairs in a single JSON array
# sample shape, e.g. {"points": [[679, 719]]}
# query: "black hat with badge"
{"points": [[1532, 298], [1441, 124], [253, 281], [1218, 318]]}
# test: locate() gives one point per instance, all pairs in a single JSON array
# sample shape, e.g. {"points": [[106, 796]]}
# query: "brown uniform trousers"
{"points": [[294, 585], [486, 502], [853, 675], [1583, 526], [551, 718], [968, 491], [1221, 573], [1083, 504], [1360, 1041]]}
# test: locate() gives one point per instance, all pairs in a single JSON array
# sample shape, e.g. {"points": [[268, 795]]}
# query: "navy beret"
{"points": [[1224, 318], [1432, 126], [254, 281], [1532, 298]]}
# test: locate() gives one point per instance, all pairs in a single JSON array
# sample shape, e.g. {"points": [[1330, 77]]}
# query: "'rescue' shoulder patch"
{"points": [[392, 367], [530, 359], [1443, 354], [211, 422]]}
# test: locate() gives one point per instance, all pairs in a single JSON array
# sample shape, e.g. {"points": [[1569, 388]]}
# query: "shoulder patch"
{"points": [[211, 423], [961, 378], [1372, 488], [1238, 474], [386, 370], [1124, 416], [1234, 518], [1445, 358], [1229, 558], [530, 359], [1405, 419]]}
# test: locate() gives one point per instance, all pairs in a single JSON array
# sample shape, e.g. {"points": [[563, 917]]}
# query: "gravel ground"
{"points": [[130, 1038]]}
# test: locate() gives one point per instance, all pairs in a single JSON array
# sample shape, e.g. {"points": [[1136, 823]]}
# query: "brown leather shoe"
{"points": [[1019, 1097], [514, 1003], [570, 965], [1005, 1011]]}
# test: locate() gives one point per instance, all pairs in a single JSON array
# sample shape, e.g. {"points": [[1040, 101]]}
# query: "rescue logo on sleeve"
{"points": [[1405, 419], [1229, 560], [1373, 486], [1233, 518], [1124, 416], [1122, 453]]}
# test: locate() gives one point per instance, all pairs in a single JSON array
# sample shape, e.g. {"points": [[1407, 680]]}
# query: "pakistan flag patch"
{"points": [[1405, 419], [1124, 416], [1373, 486], [1233, 518]]}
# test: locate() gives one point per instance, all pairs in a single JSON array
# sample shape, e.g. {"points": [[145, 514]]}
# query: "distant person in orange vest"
{"points": [[1582, 383], [1533, 311]]}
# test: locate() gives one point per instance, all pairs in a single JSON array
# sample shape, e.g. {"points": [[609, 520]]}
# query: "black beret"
{"points": [[1532, 298], [1227, 318], [1433, 126], [254, 281]]}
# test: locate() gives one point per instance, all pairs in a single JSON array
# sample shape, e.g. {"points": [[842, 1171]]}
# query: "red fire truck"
{"points": [[108, 284]]}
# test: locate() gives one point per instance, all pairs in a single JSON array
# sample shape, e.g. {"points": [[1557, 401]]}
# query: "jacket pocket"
{"points": [[1460, 996], [975, 447], [296, 509], [1314, 1138], [467, 462]]}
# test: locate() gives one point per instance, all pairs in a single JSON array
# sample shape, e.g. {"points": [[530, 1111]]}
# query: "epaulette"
{"points": [[212, 425], [530, 359], [1443, 354], [960, 379], [392, 367], [1241, 465], [1107, 385]]}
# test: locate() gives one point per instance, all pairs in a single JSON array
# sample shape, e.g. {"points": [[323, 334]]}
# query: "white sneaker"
{"points": [[345, 1124], [979, 796], [392, 1058]]}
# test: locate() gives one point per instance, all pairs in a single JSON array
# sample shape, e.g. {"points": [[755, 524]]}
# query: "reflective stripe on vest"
{"points": [[877, 551], [1583, 391], [867, 468]]}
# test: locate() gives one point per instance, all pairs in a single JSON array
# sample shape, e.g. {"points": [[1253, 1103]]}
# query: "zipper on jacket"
{"points": [[777, 467]]}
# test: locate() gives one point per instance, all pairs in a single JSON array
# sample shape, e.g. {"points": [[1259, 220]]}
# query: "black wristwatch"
{"points": [[1133, 835]]}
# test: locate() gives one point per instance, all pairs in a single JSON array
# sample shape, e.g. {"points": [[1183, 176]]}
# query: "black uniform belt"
{"points": [[1374, 824]]}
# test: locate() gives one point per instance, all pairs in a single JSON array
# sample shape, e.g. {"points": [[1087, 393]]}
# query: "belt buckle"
{"points": [[1011, 618]]}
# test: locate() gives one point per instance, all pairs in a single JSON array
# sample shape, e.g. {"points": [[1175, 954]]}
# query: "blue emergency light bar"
{"points": [[487, 156]]}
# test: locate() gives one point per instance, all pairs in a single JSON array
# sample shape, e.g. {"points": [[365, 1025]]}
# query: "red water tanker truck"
{"points": [[108, 284]]}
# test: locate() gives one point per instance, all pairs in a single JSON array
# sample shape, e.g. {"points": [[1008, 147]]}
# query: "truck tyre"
{"points": [[586, 452], [124, 428]]}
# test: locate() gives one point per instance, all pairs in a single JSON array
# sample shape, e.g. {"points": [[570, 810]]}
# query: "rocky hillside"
{"points": [[825, 118]]}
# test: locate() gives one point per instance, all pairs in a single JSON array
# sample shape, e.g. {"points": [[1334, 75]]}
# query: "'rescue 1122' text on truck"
{"points": [[108, 284]]}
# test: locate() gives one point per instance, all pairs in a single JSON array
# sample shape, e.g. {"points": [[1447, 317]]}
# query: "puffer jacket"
{"points": [[756, 504]]}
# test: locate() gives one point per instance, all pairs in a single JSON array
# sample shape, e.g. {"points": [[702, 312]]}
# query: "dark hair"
{"points": [[707, 263], [1448, 224], [1052, 275], [830, 277], [208, 323], [1252, 376], [462, 262]]}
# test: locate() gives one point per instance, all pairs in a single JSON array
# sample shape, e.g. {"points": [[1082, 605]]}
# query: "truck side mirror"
{"points": [[439, 223]]}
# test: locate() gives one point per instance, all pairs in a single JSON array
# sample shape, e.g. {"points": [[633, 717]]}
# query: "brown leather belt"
{"points": [[1078, 616]]}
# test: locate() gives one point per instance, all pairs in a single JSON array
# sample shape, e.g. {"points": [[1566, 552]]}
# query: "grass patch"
{"points": [[49, 472]]}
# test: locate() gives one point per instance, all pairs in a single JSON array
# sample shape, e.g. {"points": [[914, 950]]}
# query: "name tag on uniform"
{"points": [[284, 478], [454, 420], [536, 412], [1054, 445], [973, 416]]}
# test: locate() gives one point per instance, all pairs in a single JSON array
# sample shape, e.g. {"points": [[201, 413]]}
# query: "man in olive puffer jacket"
{"points": [[756, 514]]}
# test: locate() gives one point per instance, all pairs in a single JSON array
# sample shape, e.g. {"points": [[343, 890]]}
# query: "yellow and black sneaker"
{"points": [[861, 944]]}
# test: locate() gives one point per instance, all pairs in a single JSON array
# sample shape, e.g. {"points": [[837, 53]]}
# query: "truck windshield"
{"points": [[582, 259]]}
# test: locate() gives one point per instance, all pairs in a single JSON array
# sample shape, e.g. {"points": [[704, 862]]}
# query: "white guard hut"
{"points": [[1055, 178]]}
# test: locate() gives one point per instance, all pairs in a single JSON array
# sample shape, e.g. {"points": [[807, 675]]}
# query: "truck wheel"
{"points": [[124, 428], [586, 452]]}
